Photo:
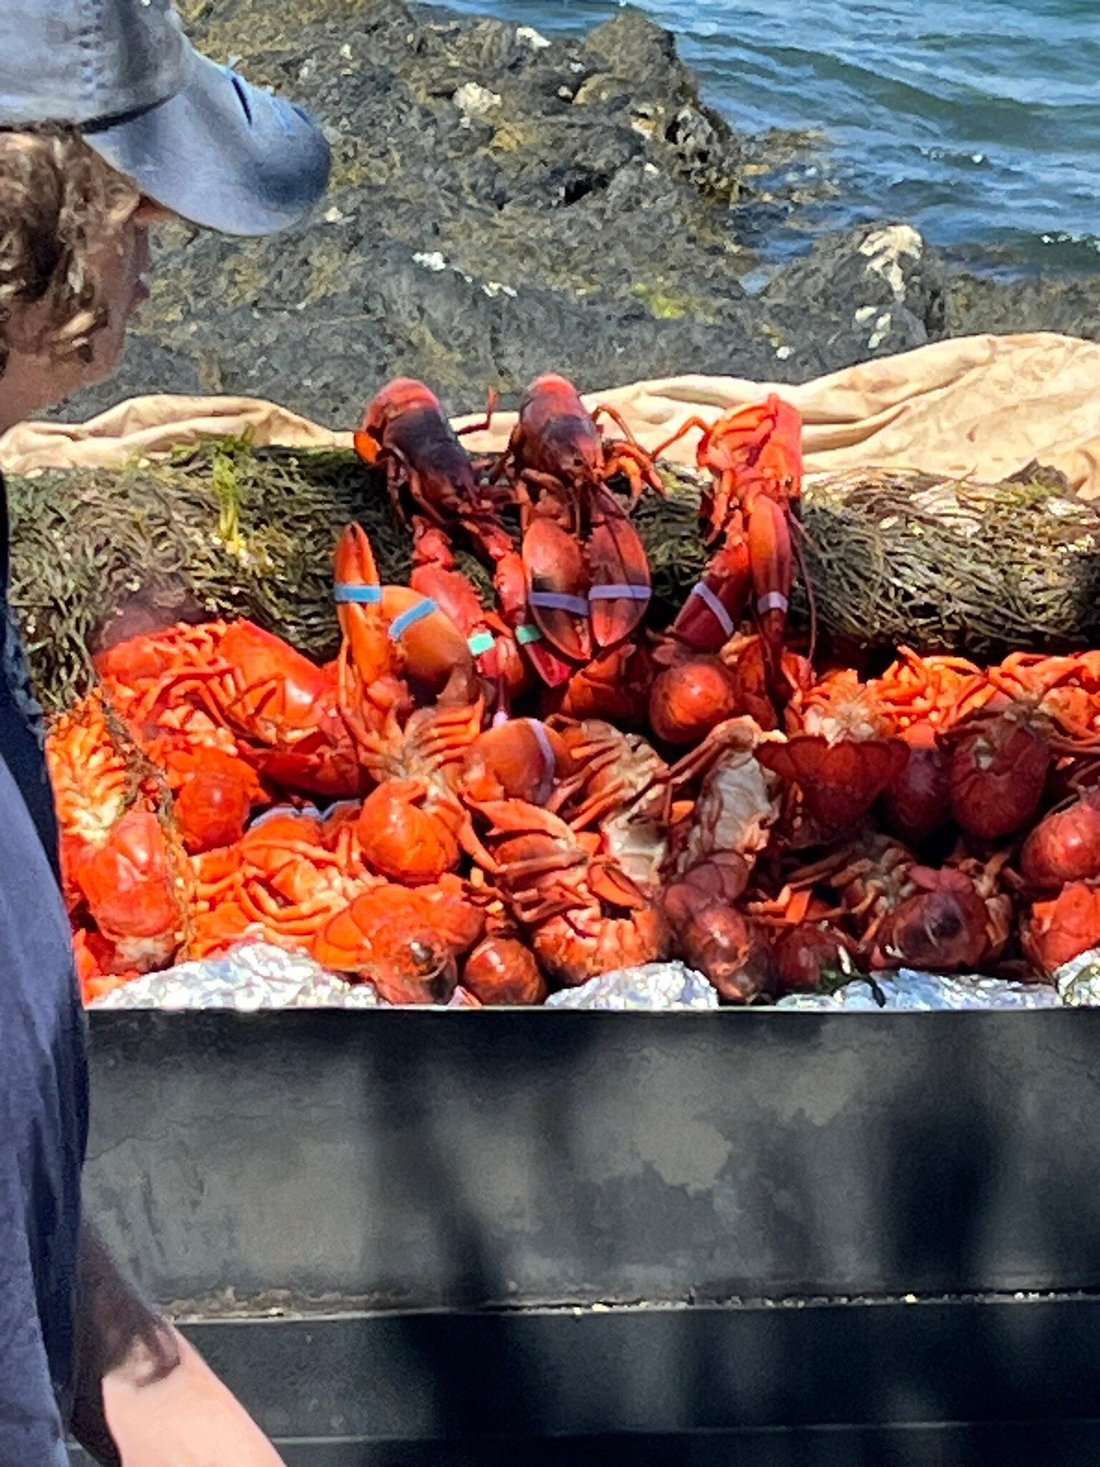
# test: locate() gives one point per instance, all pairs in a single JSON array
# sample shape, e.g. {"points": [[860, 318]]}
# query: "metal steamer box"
{"points": [[750, 1236]]}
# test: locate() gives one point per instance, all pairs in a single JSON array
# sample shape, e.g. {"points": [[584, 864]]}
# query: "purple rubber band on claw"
{"points": [[714, 606], [558, 601], [773, 601], [538, 728], [401, 624], [620, 593]]}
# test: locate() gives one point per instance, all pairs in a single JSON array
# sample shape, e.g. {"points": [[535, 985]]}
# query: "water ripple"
{"points": [[980, 123]]}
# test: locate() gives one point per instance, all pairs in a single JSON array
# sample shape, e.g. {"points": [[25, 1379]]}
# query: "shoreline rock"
{"points": [[503, 204]]}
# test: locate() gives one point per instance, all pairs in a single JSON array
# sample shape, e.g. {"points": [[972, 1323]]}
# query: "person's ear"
{"points": [[149, 213]]}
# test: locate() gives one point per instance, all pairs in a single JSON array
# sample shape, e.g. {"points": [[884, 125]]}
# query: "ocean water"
{"points": [[978, 122]]}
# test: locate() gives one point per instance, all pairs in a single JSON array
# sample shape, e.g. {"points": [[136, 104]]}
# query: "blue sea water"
{"points": [[979, 122]]}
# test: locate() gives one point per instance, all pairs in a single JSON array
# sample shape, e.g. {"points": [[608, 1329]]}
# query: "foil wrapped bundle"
{"points": [[910, 990], [253, 976], [1078, 981], [651, 987]]}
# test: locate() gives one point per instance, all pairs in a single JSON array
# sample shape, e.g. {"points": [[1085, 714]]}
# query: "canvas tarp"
{"points": [[978, 407]]}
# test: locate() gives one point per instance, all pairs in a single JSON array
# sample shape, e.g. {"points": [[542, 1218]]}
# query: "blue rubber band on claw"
{"points": [[348, 593], [480, 643], [401, 624], [527, 634], [558, 601], [620, 593]]}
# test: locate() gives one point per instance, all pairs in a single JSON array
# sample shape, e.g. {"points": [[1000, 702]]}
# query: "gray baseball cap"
{"points": [[193, 135]]}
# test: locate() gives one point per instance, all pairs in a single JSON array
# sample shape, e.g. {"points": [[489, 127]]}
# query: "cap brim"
{"points": [[221, 153]]}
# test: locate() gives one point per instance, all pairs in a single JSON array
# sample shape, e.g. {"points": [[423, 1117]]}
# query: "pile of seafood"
{"points": [[514, 798]]}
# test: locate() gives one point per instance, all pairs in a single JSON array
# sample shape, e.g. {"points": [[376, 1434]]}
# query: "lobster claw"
{"points": [[510, 584], [359, 604], [770, 556], [433, 652], [131, 891], [714, 607], [621, 587], [436, 575], [557, 588]]}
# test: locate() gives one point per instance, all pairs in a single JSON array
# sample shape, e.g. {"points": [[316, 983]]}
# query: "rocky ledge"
{"points": [[502, 204]]}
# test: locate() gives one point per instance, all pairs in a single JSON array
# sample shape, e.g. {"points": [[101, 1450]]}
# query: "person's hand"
{"points": [[186, 1419]]}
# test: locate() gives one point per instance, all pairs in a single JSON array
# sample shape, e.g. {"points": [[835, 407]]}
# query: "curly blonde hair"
{"points": [[56, 194]]}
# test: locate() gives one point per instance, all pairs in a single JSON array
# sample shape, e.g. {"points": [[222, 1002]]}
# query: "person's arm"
{"points": [[144, 1396]]}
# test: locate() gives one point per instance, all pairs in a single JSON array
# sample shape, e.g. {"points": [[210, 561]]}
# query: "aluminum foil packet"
{"points": [[651, 987], [251, 977], [254, 976], [1078, 981], [908, 989], [257, 976]]}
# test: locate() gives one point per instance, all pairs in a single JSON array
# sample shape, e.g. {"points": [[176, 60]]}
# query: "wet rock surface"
{"points": [[502, 204]]}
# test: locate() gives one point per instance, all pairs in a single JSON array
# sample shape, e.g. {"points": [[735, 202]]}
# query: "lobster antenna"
{"points": [[799, 536]]}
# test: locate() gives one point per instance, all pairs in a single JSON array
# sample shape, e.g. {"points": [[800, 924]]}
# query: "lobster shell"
{"points": [[840, 781], [730, 949], [917, 804], [503, 970], [943, 930], [1065, 846], [691, 698], [1057, 931], [998, 776]]}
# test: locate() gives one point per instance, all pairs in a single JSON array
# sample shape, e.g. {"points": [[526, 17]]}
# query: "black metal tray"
{"points": [[412, 1160], [471, 1237], [971, 1382]]}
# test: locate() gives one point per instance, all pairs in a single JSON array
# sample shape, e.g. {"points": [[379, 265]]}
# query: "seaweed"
{"points": [[229, 529]]}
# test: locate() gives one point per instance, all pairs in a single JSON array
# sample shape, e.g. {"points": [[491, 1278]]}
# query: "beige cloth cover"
{"points": [[978, 407]]}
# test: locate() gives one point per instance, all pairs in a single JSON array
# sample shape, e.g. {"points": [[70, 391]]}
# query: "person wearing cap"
{"points": [[109, 122]]}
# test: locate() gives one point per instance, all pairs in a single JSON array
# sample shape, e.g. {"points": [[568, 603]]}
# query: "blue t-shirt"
{"points": [[43, 1083]]}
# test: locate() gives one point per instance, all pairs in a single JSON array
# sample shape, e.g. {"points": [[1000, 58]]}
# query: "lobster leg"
{"points": [[554, 501], [769, 540], [717, 506], [634, 464], [508, 458], [492, 402], [394, 465], [682, 431], [605, 410], [425, 501]]}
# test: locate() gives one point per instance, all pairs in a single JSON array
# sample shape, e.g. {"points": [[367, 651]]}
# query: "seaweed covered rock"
{"points": [[977, 303], [499, 203], [503, 203], [881, 286]]}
